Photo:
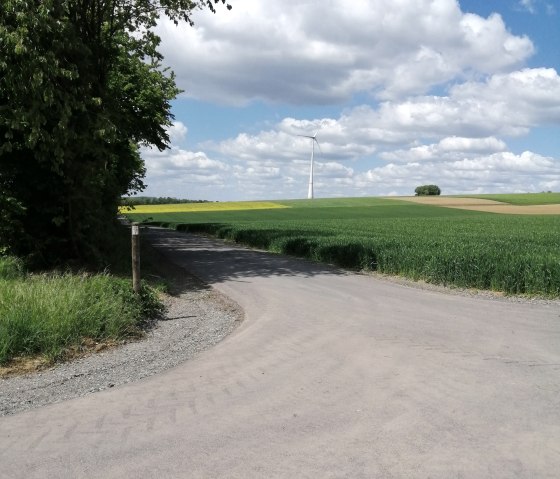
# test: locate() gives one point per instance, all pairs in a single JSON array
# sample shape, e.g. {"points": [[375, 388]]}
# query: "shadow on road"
{"points": [[218, 261]]}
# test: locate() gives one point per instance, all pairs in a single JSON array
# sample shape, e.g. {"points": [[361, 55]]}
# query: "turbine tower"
{"points": [[313, 141]]}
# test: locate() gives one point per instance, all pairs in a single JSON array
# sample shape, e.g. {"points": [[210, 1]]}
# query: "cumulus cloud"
{"points": [[531, 95], [470, 119], [450, 148], [177, 161], [177, 132], [505, 104], [498, 172], [184, 174], [324, 52]]}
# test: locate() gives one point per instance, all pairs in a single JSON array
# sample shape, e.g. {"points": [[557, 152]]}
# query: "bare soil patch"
{"points": [[479, 204]]}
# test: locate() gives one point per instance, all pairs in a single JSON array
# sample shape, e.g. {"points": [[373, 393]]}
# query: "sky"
{"points": [[463, 94]]}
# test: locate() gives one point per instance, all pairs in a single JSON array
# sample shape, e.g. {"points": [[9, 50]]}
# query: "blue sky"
{"points": [[463, 94]]}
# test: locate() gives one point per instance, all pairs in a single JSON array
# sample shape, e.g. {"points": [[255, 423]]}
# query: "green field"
{"points": [[523, 199], [510, 253]]}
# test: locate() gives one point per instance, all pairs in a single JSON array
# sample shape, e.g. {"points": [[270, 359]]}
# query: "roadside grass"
{"points": [[513, 254], [522, 199], [54, 314]]}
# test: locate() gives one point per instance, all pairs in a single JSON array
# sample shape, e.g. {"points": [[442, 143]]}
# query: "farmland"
{"points": [[509, 253], [523, 198]]}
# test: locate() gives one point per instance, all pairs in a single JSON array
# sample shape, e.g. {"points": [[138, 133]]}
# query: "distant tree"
{"points": [[427, 190], [81, 87], [156, 200]]}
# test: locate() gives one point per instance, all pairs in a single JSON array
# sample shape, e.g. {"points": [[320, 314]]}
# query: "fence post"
{"points": [[136, 258]]}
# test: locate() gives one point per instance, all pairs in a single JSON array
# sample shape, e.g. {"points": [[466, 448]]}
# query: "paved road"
{"points": [[331, 375]]}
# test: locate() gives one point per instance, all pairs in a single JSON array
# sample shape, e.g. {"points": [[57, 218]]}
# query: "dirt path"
{"points": [[478, 204], [330, 375]]}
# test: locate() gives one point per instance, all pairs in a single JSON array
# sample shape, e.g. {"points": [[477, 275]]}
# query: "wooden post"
{"points": [[136, 258]]}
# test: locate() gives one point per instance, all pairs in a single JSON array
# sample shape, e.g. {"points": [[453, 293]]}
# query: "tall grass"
{"points": [[11, 267], [45, 314]]}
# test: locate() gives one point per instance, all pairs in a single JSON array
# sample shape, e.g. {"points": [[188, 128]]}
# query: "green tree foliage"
{"points": [[426, 190], [81, 87]]}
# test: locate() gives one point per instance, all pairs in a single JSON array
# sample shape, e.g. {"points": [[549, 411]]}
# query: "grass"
{"points": [[52, 314], [513, 254], [523, 199]]}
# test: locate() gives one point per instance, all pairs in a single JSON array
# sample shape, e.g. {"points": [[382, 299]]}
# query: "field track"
{"points": [[478, 204], [331, 375]]}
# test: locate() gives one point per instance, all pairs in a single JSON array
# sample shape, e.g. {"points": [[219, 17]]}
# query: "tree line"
{"points": [[156, 200]]}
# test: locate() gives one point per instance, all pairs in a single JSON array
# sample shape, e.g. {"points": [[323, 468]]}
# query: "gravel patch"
{"points": [[197, 318]]}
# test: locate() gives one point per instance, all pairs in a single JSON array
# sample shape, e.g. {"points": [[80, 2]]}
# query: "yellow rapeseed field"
{"points": [[194, 207]]}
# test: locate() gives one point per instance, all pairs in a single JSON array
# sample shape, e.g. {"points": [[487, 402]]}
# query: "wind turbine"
{"points": [[313, 141]]}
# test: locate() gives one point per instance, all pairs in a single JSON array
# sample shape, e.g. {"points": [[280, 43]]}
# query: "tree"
{"points": [[426, 190], [81, 87]]}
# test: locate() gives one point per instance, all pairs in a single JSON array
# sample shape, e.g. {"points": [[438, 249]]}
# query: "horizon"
{"points": [[194, 200]]}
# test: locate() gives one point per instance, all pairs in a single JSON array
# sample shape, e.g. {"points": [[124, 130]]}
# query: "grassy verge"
{"points": [[52, 314]]}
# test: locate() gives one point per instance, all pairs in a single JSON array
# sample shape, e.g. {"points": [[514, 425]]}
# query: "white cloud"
{"points": [[177, 161], [471, 144], [324, 52], [499, 172], [531, 94], [457, 165], [183, 174], [177, 132], [450, 148], [534, 6], [465, 129], [284, 144], [528, 5], [506, 104], [468, 120]]}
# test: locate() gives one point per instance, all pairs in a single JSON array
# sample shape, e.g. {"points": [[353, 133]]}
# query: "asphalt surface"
{"points": [[331, 375]]}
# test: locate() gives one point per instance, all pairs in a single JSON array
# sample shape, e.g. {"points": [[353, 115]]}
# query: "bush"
{"points": [[427, 190]]}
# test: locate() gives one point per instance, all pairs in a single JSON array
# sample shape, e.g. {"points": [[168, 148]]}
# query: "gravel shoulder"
{"points": [[197, 318]]}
